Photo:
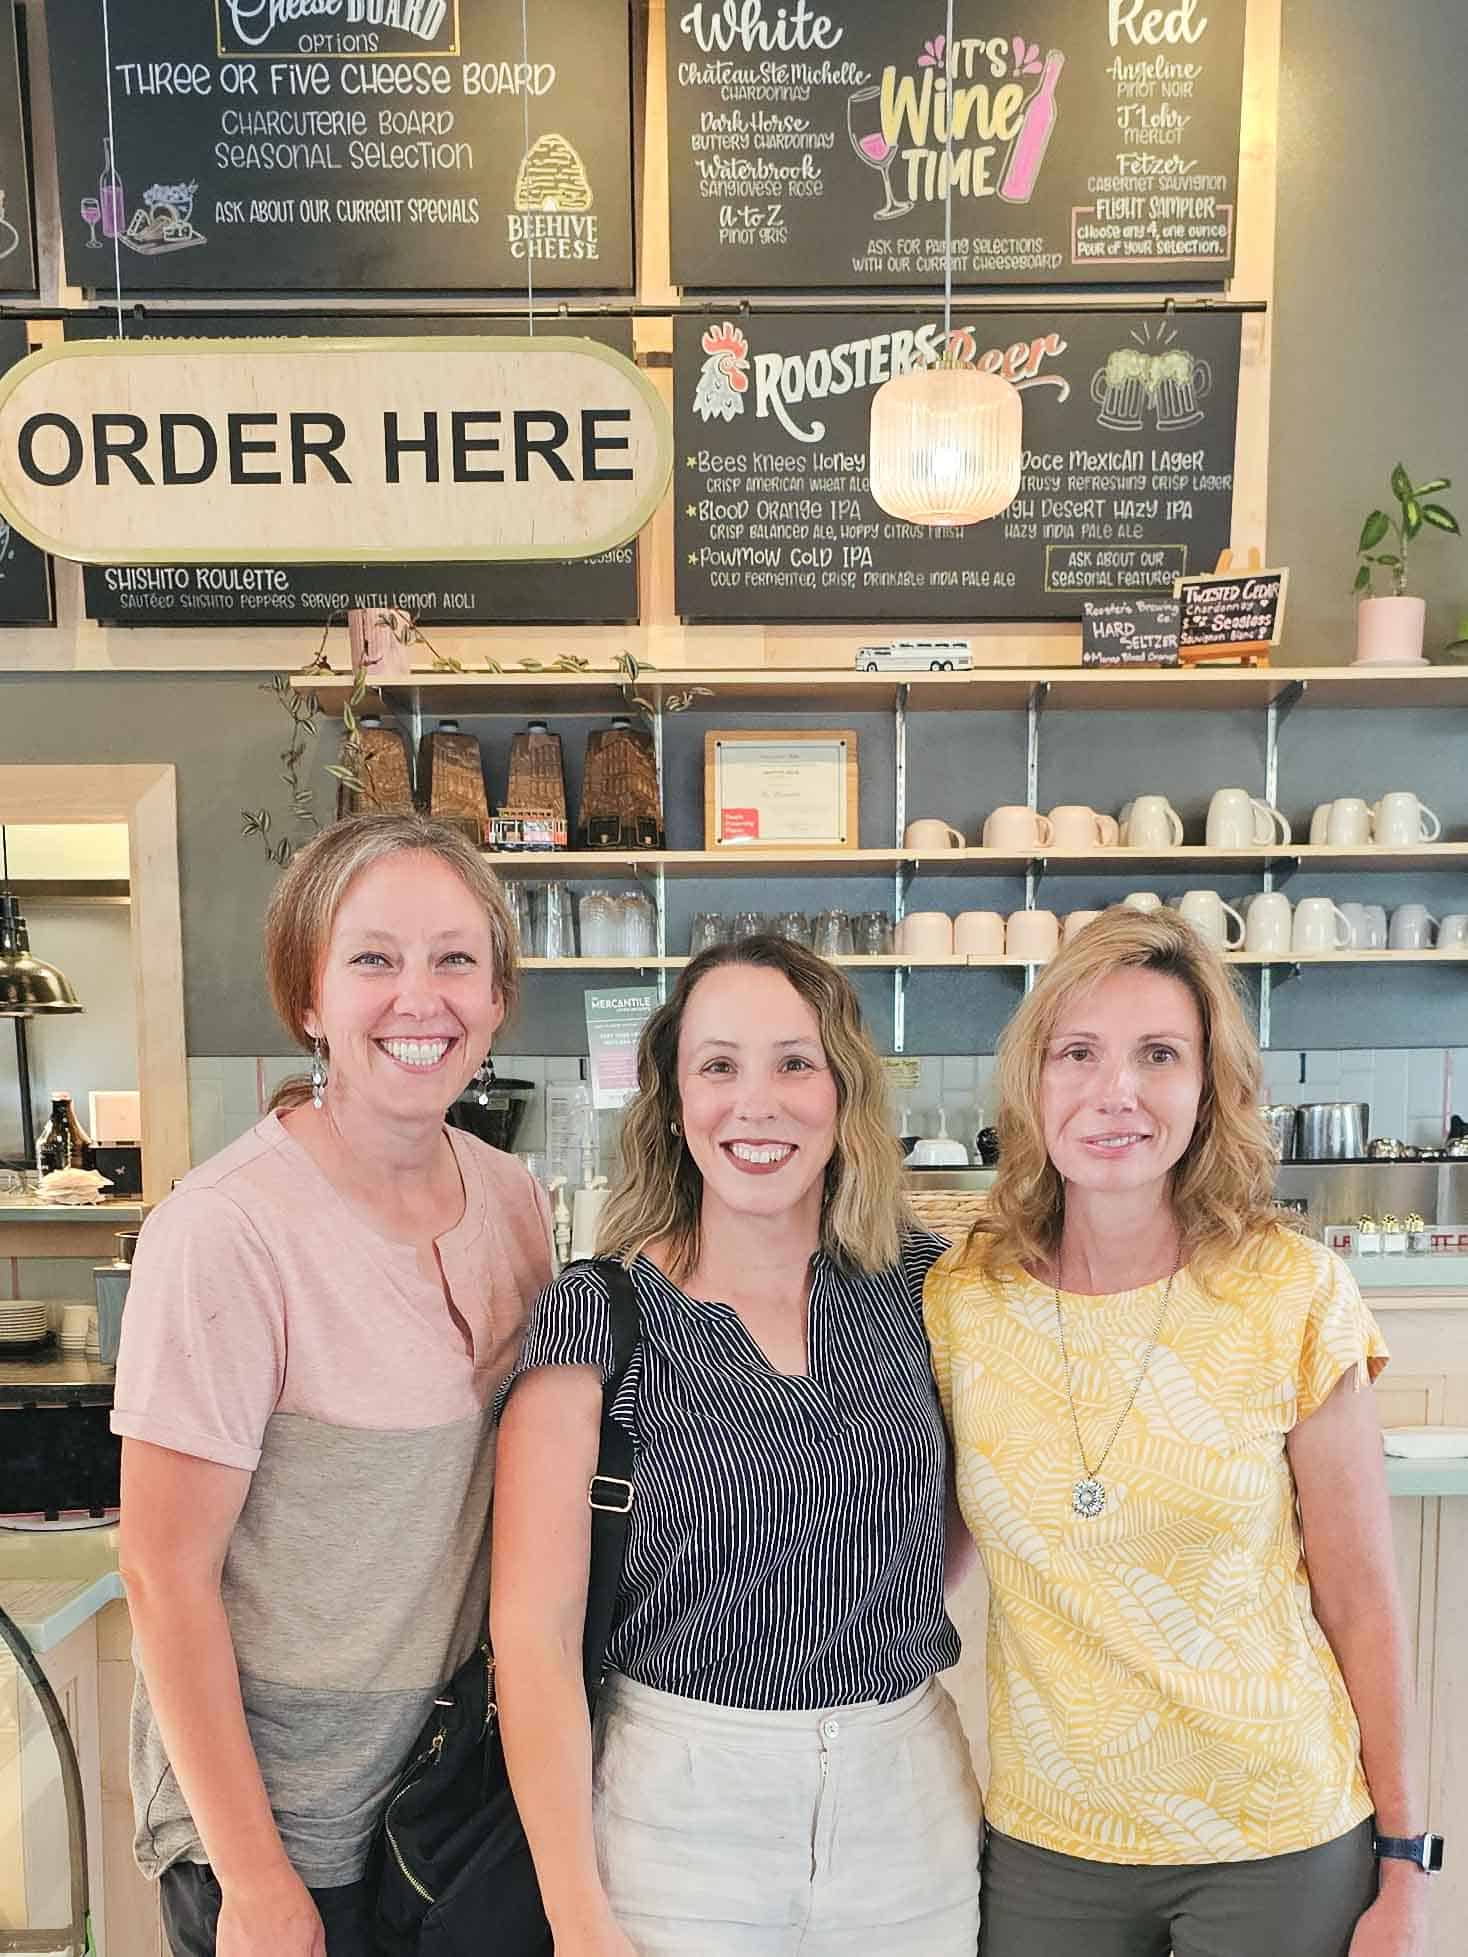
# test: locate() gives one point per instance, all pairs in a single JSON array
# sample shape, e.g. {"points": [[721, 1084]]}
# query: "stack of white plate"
{"points": [[22, 1321]]}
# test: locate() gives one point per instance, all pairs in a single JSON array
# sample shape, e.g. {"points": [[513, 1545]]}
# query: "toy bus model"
{"points": [[916, 656]]}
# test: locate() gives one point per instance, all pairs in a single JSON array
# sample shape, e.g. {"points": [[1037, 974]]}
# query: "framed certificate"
{"points": [[780, 791]]}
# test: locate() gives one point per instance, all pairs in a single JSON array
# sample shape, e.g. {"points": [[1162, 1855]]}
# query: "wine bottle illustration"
{"points": [[110, 199], [1027, 151]]}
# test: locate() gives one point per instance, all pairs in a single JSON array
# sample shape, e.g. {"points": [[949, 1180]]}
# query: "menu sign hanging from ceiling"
{"points": [[25, 573], [17, 248], [1129, 423], [594, 590], [344, 145], [813, 142]]}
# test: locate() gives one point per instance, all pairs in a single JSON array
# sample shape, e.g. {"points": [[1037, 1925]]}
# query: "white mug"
{"points": [[1374, 916], [1267, 924], [979, 934], [1073, 826], [1239, 820], [1402, 821], [1319, 925], [1153, 824], [1452, 933], [1411, 928], [1320, 823], [1349, 824], [925, 934], [1015, 828], [1359, 926], [1206, 911], [1075, 923], [1110, 831], [1141, 900], [929, 833], [1032, 935]]}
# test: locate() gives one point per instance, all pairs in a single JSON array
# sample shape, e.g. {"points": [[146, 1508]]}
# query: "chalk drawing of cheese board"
{"points": [[166, 221]]}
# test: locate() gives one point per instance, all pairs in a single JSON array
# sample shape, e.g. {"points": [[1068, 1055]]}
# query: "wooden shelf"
{"points": [[582, 866], [897, 961], [997, 689]]}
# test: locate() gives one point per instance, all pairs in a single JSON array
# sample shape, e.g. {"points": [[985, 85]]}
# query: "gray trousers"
{"points": [[1037, 1903]]}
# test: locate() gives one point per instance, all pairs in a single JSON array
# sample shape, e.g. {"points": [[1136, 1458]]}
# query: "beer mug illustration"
{"points": [[1119, 390], [1180, 383]]}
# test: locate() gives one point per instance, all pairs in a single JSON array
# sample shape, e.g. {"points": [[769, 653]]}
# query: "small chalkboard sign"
{"points": [[1231, 614], [1130, 631]]}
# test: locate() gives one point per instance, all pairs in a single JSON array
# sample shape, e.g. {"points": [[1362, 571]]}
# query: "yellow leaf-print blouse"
{"points": [[1159, 1689]]}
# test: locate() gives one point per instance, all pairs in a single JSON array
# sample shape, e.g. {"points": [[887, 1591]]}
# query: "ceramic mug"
{"points": [[1032, 935], [1015, 828], [1153, 824], [1359, 926], [1239, 820], [1411, 928], [1141, 900], [1206, 911], [1402, 821], [929, 833], [1267, 924], [925, 934], [979, 934], [1319, 925], [1075, 923], [1375, 919], [1320, 823], [1073, 826], [1452, 933], [1110, 831], [1349, 824]]}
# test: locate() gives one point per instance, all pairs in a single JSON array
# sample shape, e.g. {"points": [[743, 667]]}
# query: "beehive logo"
{"points": [[552, 177]]}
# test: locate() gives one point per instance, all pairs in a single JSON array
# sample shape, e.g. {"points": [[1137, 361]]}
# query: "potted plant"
{"points": [[1390, 630]]}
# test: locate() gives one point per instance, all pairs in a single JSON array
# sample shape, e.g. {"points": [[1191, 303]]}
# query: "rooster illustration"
{"points": [[725, 378]]}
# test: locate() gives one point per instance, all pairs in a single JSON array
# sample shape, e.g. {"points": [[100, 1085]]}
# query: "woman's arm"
{"points": [[178, 1514], [1345, 1515], [547, 1455]]}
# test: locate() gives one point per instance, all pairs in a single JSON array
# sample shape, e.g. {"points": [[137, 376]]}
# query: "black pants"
{"points": [[190, 1898]]}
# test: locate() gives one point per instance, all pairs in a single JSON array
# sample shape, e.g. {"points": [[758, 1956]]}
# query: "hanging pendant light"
{"points": [[27, 984], [946, 442]]}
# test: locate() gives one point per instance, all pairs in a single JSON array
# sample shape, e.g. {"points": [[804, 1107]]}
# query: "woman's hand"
{"points": [[601, 1938], [279, 1919], [1396, 1923]]}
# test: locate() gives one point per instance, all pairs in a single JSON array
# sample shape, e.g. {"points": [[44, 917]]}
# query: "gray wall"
{"points": [[1371, 296]]}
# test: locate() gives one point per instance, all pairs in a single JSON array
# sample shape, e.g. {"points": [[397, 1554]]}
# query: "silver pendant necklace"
{"points": [[1088, 1493]]}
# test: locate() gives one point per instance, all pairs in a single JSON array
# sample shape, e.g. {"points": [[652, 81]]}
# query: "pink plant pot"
{"points": [[1389, 631]]}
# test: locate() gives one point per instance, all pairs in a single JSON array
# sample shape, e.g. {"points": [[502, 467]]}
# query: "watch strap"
{"points": [[1425, 1850]]}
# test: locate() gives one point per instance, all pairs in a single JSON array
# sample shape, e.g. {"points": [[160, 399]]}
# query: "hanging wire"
{"points": [[948, 190], [112, 142], [525, 105]]}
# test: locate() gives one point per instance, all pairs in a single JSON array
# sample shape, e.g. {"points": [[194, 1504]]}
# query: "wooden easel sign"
{"points": [[1231, 615]]}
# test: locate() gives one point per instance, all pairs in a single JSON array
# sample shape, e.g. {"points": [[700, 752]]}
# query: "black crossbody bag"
{"points": [[452, 1869]]}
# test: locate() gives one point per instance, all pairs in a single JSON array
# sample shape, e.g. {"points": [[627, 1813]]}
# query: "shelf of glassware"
{"points": [[997, 688], [900, 962], [585, 866]]}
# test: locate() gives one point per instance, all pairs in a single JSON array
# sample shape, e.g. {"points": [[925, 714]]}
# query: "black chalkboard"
{"points": [[1098, 145], [585, 590], [1128, 478], [17, 242], [259, 146], [1129, 632], [25, 572], [1236, 608]]}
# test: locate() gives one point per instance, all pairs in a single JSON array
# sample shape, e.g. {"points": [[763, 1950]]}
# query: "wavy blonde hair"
{"points": [[1222, 1185], [659, 1198], [309, 893]]}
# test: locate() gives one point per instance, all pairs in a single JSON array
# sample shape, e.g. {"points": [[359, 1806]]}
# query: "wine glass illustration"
{"points": [[92, 217], [9, 236], [864, 126]]}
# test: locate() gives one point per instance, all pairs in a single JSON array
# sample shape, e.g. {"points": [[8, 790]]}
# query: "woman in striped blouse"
{"points": [[773, 1768]]}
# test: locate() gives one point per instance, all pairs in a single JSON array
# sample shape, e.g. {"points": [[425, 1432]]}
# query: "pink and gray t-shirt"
{"points": [[270, 1329]]}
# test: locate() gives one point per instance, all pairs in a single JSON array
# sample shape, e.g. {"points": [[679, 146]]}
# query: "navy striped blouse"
{"points": [[786, 1543]]}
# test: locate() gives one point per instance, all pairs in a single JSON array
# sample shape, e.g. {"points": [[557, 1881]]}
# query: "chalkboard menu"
{"points": [[345, 145], [809, 142], [25, 572], [17, 246], [586, 590], [1127, 484]]}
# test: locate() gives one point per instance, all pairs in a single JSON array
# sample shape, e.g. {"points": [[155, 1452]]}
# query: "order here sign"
{"points": [[293, 451]]}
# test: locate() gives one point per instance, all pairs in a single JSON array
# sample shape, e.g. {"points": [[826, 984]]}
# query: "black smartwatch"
{"points": [[1425, 1850]]}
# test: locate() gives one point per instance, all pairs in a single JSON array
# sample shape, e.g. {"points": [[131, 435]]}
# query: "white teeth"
{"points": [[751, 1152], [1115, 1141], [416, 1053]]}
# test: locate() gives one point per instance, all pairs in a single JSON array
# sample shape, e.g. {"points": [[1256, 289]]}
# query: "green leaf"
{"points": [[1401, 483], [1363, 578], [1411, 517], [1374, 529], [1437, 483], [1392, 563], [1440, 519], [342, 774]]}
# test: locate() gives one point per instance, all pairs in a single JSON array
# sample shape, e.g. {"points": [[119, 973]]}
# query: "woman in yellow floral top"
{"points": [[1198, 1665]]}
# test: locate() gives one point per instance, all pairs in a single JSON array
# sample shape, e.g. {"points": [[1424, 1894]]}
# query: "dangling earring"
{"points": [[675, 1130], [318, 1072], [484, 1080]]}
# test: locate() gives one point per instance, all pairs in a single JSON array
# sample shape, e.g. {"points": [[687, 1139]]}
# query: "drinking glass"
{"points": [[600, 925], [707, 931], [517, 896], [639, 925], [873, 934], [749, 924], [554, 927], [795, 926], [92, 216], [833, 935]]}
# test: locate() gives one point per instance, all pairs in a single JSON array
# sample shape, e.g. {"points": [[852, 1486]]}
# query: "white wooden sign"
{"points": [[293, 451]]}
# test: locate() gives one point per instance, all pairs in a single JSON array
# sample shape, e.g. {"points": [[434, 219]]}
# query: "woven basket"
{"points": [[951, 1213]]}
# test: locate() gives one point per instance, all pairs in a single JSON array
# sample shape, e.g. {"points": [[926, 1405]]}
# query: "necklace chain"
{"points": [[1091, 1482]]}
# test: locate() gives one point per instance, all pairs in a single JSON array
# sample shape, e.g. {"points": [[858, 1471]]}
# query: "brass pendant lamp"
{"points": [[28, 987]]}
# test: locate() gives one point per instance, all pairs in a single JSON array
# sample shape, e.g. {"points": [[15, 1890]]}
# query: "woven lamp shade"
{"points": [[946, 445]]}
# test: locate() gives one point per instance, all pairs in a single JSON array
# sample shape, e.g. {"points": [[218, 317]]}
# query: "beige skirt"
{"points": [[723, 1833]]}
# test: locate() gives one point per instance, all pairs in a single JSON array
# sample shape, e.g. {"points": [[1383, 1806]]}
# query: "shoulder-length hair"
{"points": [[309, 893], [659, 1196], [1222, 1185]]}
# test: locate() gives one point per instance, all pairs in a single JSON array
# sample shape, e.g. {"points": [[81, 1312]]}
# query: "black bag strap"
{"points": [[611, 1491]]}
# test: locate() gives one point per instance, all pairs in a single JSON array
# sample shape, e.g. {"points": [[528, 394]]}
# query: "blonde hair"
{"points": [[659, 1198], [305, 901], [1223, 1183]]}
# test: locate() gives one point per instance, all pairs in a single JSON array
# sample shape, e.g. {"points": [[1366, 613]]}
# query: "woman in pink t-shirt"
{"points": [[319, 1320]]}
